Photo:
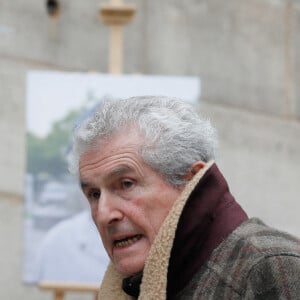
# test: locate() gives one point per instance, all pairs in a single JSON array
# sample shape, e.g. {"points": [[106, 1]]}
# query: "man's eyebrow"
{"points": [[116, 172], [84, 184], [119, 171]]}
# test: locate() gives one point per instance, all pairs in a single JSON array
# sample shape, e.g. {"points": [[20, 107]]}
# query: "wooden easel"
{"points": [[60, 289], [115, 14]]}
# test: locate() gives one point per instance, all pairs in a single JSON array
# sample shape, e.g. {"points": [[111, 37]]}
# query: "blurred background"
{"points": [[246, 54]]}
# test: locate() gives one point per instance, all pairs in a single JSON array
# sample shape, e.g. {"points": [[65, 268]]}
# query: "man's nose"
{"points": [[109, 209]]}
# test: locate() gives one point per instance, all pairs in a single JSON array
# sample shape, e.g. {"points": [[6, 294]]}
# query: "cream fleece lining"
{"points": [[154, 283]]}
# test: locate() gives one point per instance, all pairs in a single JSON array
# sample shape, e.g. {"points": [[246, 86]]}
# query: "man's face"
{"points": [[129, 200]]}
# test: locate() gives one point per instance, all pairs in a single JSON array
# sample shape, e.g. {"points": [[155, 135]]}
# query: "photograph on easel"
{"points": [[61, 243]]}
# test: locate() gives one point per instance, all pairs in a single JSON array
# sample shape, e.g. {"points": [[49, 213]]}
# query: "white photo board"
{"points": [[61, 242]]}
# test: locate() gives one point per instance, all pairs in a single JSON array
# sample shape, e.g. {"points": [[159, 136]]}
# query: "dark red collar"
{"points": [[209, 216]]}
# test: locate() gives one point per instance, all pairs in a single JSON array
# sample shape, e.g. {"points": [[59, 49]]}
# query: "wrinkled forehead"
{"points": [[126, 137], [108, 158]]}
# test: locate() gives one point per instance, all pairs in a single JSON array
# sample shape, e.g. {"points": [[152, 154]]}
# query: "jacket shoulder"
{"points": [[253, 260], [274, 277]]}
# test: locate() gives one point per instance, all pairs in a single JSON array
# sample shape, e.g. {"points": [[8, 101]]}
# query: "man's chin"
{"points": [[129, 271], [131, 260], [130, 267]]}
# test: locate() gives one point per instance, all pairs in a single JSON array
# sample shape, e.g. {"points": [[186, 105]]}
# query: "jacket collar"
{"points": [[209, 216], [154, 282]]}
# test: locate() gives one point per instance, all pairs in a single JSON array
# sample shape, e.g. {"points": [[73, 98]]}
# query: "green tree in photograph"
{"points": [[47, 155]]}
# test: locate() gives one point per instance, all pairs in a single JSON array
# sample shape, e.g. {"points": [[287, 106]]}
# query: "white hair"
{"points": [[175, 137]]}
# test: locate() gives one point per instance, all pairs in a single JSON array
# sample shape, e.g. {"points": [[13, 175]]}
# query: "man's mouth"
{"points": [[127, 241]]}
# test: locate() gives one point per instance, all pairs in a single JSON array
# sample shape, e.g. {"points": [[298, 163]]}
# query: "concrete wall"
{"points": [[246, 54], [260, 158]]}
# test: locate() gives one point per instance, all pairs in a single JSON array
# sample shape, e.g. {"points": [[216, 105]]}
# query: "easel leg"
{"points": [[59, 295], [96, 296]]}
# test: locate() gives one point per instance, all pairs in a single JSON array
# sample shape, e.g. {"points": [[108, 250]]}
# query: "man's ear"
{"points": [[194, 170]]}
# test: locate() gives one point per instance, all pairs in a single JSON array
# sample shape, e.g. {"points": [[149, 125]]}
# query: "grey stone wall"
{"points": [[245, 52]]}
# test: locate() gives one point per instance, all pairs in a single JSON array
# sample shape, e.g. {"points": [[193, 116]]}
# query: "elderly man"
{"points": [[164, 211]]}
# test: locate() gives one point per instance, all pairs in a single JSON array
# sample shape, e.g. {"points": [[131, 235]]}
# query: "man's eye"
{"points": [[126, 184], [94, 195]]}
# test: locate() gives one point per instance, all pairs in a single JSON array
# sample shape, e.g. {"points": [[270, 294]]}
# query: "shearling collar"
{"points": [[154, 283], [209, 216]]}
